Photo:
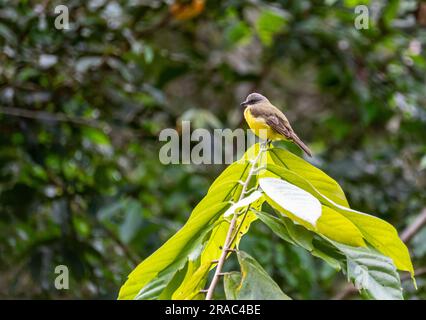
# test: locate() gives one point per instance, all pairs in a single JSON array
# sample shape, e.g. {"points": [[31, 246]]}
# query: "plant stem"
{"points": [[415, 227], [229, 238]]}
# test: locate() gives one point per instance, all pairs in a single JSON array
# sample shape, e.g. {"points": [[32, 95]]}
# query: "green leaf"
{"points": [[253, 283], [300, 236], [238, 33], [379, 233], [236, 172], [372, 273], [296, 202], [276, 225], [195, 278], [339, 228], [177, 247], [231, 281], [148, 54], [153, 289], [212, 250], [173, 284], [7, 34], [390, 12], [320, 180], [243, 203], [132, 221], [230, 176], [203, 219], [287, 230], [96, 136], [354, 3], [269, 23]]}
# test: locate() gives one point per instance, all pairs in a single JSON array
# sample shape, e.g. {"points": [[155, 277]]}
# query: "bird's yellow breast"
{"points": [[260, 128]]}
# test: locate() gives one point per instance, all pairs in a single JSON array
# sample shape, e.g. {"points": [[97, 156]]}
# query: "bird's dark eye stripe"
{"points": [[252, 101]]}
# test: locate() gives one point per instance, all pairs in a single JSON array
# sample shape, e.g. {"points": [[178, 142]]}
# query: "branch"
{"points": [[419, 272], [154, 28], [415, 227], [229, 236], [129, 254], [47, 116], [61, 117], [347, 291]]}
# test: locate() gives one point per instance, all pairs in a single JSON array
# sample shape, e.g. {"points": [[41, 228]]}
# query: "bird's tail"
{"points": [[301, 145]]}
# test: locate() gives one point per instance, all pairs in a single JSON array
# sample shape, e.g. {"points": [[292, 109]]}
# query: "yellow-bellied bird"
{"points": [[268, 122]]}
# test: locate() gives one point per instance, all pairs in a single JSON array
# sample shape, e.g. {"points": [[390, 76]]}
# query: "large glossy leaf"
{"points": [[237, 171], [193, 281], [153, 289], [176, 252], [276, 225], [372, 273], [164, 284], [381, 235], [298, 203], [231, 176], [287, 230], [253, 283], [231, 281], [177, 248], [331, 223], [196, 279], [320, 180], [254, 196], [339, 228], [377, 232], [172, 284]]}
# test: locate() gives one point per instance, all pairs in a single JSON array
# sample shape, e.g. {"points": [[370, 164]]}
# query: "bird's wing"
{"points": [[279, 125], [283, 127]]}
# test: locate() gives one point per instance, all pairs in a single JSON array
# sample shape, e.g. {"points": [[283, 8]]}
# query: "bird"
{"points": [[268, 122]]}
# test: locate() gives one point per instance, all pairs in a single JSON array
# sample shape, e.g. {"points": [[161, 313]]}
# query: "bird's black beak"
{"points": [[244, 104]]}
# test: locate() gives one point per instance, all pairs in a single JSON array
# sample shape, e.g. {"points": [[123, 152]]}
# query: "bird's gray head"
{"points": [[253, 98]]}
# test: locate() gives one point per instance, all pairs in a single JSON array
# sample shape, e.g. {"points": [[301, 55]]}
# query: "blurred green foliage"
{"points": [[81, 109]]}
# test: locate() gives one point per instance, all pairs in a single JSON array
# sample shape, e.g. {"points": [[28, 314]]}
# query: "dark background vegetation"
{"points": [[81, 110]]}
